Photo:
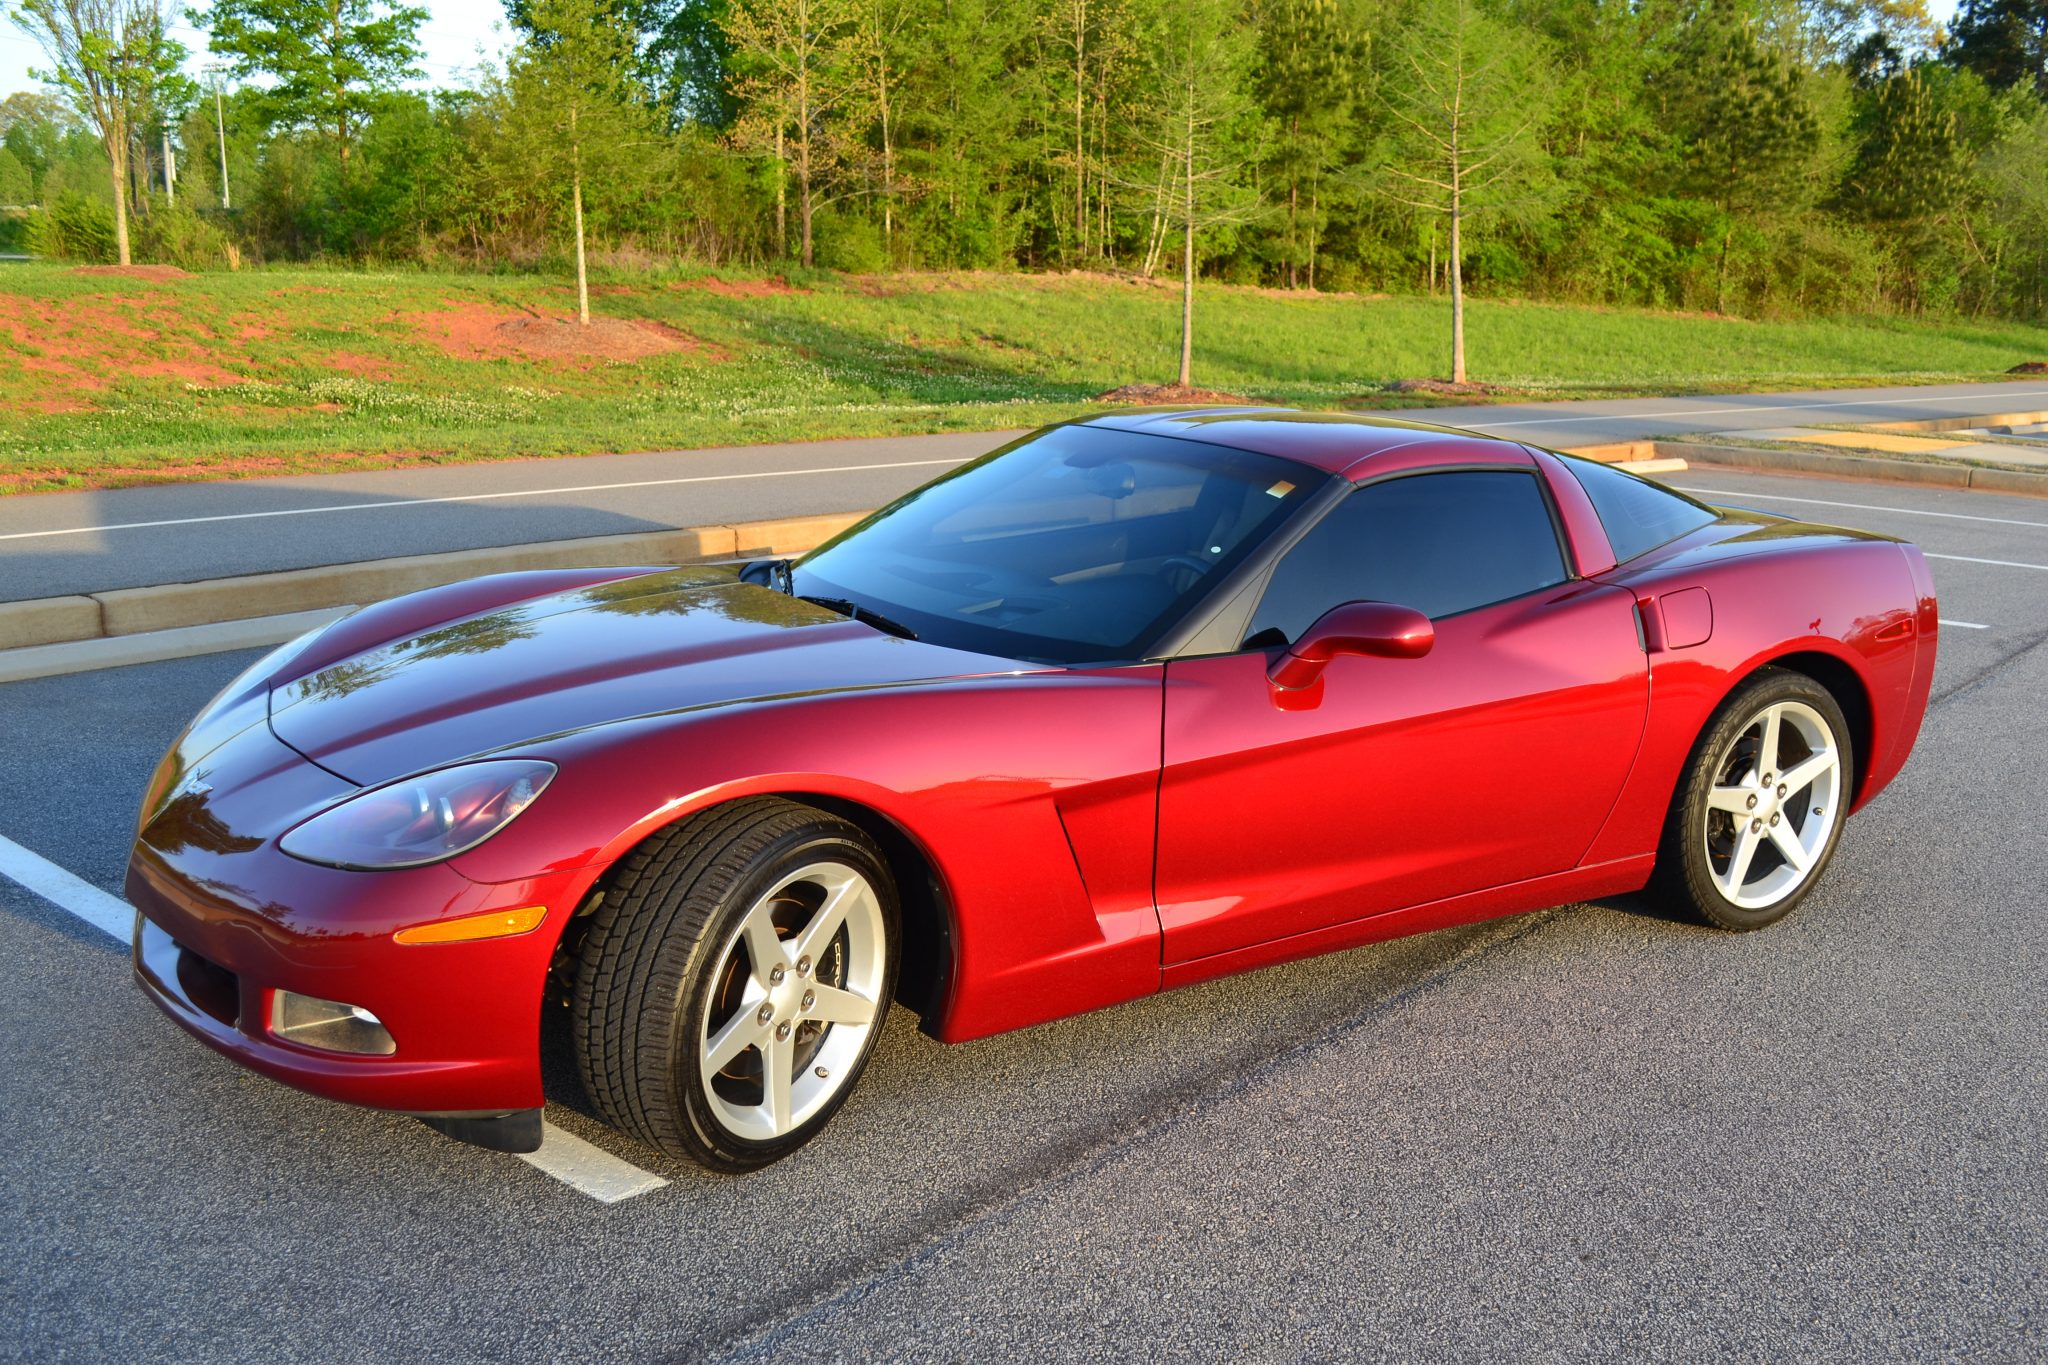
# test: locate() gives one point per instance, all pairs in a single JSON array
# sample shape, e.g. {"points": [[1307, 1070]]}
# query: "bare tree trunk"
{"points": [[781, 199], [1187, 255], [1314, 221], [1293, 193], [1080, 144], [576, 197], [1155, 240], [803, 158], [120, 173], [888, 170], [1457, 271]]}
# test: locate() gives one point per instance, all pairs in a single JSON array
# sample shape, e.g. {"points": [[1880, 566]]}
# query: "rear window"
{"points": [[1637, 514]]}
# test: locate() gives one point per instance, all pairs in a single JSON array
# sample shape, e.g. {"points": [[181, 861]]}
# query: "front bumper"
{"points": [[225, 920]]}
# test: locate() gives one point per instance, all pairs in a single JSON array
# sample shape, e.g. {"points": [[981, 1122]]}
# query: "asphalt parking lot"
{"points": [[1586, 1132]]}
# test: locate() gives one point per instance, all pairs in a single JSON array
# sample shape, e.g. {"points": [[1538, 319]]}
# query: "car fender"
{"points": [[1048, 875], [1858, 613]]}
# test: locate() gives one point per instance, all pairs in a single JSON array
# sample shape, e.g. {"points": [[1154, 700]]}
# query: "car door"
{"points": [[1389, 783]]}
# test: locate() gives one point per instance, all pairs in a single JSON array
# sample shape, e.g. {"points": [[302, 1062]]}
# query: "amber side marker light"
{"points": [[491, 924]]}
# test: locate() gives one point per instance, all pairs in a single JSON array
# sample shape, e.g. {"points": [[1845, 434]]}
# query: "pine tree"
{"points": [[2004, 41]]}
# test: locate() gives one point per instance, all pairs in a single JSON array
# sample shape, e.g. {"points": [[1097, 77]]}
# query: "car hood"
{"points": [[637, 646]]}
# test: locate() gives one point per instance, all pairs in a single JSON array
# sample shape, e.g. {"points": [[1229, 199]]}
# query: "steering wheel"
{"points": [[1193, 565]]}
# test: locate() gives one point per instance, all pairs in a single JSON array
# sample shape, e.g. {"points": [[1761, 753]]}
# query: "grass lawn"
{"points": [[112, 379]]}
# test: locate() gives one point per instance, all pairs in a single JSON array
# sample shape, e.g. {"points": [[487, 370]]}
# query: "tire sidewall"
{"points": [[825, 841]]}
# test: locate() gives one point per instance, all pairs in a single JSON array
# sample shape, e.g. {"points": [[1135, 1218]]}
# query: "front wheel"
{"points": [[734, 981], [1760, 808]]}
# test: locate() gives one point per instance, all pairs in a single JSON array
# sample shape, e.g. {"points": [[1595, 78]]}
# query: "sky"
{"points": [[452, 35]]}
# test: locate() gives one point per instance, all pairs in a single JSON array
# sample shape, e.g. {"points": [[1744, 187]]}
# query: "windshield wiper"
{"points": [[859, 613]]}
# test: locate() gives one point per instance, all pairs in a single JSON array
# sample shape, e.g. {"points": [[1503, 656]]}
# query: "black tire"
{"points": [[657, 949], [1685, 878]]}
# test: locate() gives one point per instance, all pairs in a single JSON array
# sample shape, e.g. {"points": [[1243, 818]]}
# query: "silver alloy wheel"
{"points": [[1776, 799], [798, 988]]}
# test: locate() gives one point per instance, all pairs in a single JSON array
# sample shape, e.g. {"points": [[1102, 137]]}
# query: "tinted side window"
{"points": [[1440, 543], [1638, 515]]}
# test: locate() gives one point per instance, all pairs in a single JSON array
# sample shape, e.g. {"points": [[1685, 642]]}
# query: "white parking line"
{"points": [[1861, 506], [1963, 625], [1999, 563], [591, 1169], [472, 497], [1714, 412], [563, 1155], [109, 914]]}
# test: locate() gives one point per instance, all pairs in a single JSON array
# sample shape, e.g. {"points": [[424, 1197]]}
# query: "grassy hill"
{"points": [[109, 378]]}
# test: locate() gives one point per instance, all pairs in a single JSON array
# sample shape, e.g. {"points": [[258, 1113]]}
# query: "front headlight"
{"points": [[423, 819]]}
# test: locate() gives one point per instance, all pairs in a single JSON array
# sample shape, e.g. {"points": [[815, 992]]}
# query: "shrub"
{"points": [[178, 235], [850, 242], [73, 228]]}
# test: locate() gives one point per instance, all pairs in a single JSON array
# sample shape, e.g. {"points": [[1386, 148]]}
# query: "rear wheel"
{"points": [[1760, 809], [734, 980]]}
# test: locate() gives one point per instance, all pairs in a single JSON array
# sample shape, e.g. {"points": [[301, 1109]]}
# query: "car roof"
{"points": [[1335, 442]]}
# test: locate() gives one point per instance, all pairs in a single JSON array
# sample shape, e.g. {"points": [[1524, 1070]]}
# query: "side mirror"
{"points": [[1379, 629]]}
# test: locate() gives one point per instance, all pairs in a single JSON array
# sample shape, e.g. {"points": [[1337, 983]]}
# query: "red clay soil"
{"points": [[477, 332], [2030, 367], [1152, 395], [84, 344], [741, 289], [359, 366], [160, 273]]}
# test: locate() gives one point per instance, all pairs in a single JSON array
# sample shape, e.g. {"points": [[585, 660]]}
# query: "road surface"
{"points": [[57, 543]]}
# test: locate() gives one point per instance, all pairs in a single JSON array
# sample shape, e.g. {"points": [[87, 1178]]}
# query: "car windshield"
{"points": [[1075, 545]]}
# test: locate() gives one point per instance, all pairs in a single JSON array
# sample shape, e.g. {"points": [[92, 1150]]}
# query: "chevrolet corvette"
{"points": [[1133, 702]]}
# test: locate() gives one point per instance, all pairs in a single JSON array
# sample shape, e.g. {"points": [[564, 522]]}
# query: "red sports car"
{"points": [[1130, 703]]}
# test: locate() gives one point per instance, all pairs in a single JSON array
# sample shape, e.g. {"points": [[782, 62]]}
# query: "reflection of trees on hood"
{"points": [[187, 823], [711, 590], [739, 602]]}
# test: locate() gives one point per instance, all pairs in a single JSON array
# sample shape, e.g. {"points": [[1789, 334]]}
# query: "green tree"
{"points": [[2004, 41], [575, 103], [1204, 126], [1753, 136], [2016, 191], [966, 161], [1307, 80], [328, 61], [789, 78], [17, 186], [34, 127], [109, 57], [1469, 97]]}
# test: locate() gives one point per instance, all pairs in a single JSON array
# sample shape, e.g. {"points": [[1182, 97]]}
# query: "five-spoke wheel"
{"points": [[734, 980], [1760, 808]]}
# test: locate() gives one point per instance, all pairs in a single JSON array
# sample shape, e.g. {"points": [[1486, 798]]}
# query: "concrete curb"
{"points": [[83, 656], [176, 606], [1930, 424], [1861, 467]]}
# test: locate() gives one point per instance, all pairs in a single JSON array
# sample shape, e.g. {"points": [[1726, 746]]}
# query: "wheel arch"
{"points": [[1850, 692], [930, 940]]}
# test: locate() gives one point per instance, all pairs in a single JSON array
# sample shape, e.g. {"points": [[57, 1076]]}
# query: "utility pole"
{"points": [[170, 172], [220, 126]]}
